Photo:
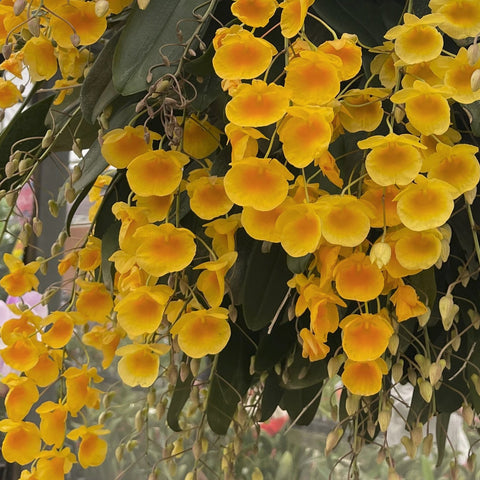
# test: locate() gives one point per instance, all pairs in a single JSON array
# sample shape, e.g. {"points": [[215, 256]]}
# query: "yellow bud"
{"points": [[392, 474], [448, 310], [475, 318], [143, 4], [53, 208], [131, 445], [332, 439], [184, 371], [423, 319], [426, 389], [384, 417], [47, 139], [427, 444], [101, 8], [424, 364], [436, 370], [410, 447], [416, 435], [470, 196], [456, 340], [468, 415], [471, 462], [393, 344], [397, 371], [76, 173], [119, 451], [352, 403], [139, 420], [380, 254], [197, 449], [475, 80], [37, 226]]}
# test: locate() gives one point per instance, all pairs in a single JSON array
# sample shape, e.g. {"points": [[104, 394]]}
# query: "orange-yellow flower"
{"points": [[328, 165], [9, 93], [407, 304], [164, 248], [222, 232], [94, 301], [14, 64], [81, 15], [299, 229], [261, 225], [21, 278], [72, 62], [345, 219], [461, 19], [79, 391], [382, 199], [417, 40], [313, 348], [456, 165], [46, 370], [313, 77], [415, 250], [426, 106], [202, 332], [394, 159], [242, 56], [121, 145], [257, 104], [22, 354], [157, 172], [261, 183], [425, 204], [155, 207], [365, 336], [60, 329], [103, 339], [305, 133], [243, 141], [22, 394], [22, 441], [362, 109], [92, 450], [141, 310], [364, 378], [132, 219], [90, 256], [254, 13], [208, 198], [140, 363], [293, 16], [357, 278], [458, 74], [200, 137], [348, 51], [53, 417], [53, 464], [39, 56]]}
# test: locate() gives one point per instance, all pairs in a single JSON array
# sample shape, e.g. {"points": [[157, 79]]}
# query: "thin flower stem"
{"points": [[474, 227]]}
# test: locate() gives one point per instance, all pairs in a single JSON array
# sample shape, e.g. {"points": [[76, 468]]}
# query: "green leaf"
{"points": [[441, 432], [265, 285], [303, 373], [473, 112], [29, 123], [275, 346], [180, 395], [298, 264], [230, 381], [302, 404], [146, 32], [97, 89], [272, 394], [357, 17], [425, 285], [419, 409]]}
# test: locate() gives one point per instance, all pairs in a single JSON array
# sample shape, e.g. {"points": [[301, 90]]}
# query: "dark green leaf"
{"points": [[352, 16], [272, 394], [145, 33], [302, 404], [441, 431], [473, 111], [275, 346], [180, 396], [303, 373], [97, 89], [425, 285], [265, 286], [231, 380], [298, 264]]}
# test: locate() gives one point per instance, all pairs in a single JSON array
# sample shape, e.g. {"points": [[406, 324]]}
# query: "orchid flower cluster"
{"points": [[192, 188]]}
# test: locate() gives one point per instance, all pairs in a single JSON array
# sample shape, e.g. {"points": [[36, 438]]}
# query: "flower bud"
{"points": [[397, 371], [34, 26], [380, 254], [473, 53], [475, 318], [37, 226], [423, 319], [384, 417], [426, 389], [393, 344], [47, 138], [448, 310], [470, 196], [417, 434], [257, 474], [18, 7], [468, 414], [410, 447], [427, 444], [436, 370], [53, 208], [143, 4], [352, 403], [475, 80], [424, 365], [119, 451], [101, 8], [332, 439], [75, 39]]}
